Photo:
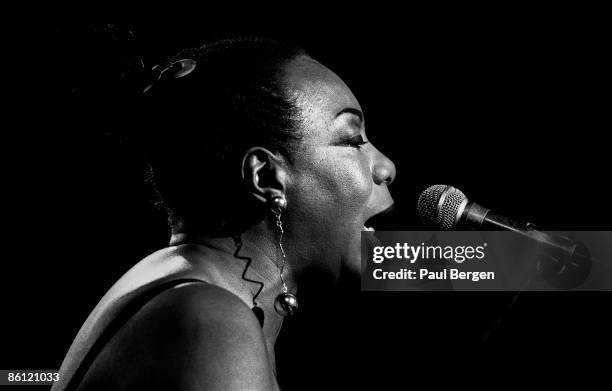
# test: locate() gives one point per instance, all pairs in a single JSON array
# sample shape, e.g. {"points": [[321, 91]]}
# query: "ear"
{"points": [[264, 174]]}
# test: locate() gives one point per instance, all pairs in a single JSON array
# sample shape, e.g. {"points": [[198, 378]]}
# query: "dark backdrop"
{"points": [[510, 110]]}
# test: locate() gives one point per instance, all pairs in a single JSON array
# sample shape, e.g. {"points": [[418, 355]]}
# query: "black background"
{"points": [[509, 108]]}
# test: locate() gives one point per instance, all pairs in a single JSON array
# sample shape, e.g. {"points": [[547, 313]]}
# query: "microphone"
{"points": [[447, 208]]}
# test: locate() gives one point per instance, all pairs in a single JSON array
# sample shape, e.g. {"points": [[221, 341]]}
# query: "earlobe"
{"points": [[264, 174]]}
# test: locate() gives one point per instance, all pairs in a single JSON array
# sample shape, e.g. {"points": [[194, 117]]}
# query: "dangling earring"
{"points": [[285, 303]]}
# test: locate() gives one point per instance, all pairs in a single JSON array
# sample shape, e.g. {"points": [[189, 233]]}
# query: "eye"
{"points": [[357, 141]]}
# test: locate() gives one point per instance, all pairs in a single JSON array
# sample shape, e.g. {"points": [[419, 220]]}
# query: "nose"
{"points": [[383, 170]]}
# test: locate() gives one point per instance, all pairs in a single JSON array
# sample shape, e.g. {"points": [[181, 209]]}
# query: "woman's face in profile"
{"points": [[338, 179]]}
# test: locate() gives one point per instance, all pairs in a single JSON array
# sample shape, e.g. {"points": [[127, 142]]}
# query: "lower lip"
{"points": [[371, 240]]}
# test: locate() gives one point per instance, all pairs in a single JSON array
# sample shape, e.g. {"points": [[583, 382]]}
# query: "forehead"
{"points": [[319, 92]]}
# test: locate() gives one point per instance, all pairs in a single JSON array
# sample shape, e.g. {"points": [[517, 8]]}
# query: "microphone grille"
{"points": [[427, 206], [440, 205]]}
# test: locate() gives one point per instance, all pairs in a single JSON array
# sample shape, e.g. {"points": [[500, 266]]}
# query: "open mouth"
{"points": [[377, 220]]}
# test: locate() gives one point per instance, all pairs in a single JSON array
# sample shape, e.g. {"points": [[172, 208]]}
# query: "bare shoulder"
{"points": [[193, 336]]}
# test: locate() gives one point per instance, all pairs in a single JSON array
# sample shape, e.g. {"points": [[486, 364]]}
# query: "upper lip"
{"points": [[382, 212]]}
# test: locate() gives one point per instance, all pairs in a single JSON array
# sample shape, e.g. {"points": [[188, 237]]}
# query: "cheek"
{"points": [[353, 184], [338, 186]]}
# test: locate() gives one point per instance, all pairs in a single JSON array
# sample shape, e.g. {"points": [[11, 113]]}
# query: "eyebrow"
{"points": [[350, 110]]}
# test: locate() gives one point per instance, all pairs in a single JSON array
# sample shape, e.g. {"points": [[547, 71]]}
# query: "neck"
{"points": [[258, 260]]}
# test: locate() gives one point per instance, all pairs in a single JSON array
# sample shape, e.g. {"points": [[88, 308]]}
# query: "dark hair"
{"points": [[228, 97]]}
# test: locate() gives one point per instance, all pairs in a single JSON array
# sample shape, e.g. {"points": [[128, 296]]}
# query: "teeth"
{"points": [[368, 228]]}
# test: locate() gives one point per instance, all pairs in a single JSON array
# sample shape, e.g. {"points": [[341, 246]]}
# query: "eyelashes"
{"points": [[357, 142]]}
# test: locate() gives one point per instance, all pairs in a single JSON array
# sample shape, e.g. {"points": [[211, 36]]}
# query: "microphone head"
{"points": [[442, 206]]}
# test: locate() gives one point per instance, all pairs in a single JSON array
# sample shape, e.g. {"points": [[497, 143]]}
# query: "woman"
{"points": [[259, 154]]}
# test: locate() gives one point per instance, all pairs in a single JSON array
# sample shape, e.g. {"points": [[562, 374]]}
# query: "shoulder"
{"points": [[192, 336], [205, 310]]}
